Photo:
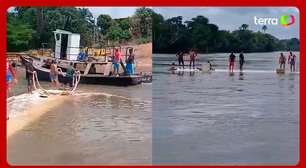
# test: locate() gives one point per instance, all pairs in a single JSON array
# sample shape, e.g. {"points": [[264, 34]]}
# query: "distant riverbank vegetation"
{"points": [[171, 35], [32, 27]]}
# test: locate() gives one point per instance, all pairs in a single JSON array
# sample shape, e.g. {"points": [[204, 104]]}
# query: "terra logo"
{"points": [[287, 20], [284, 20]]}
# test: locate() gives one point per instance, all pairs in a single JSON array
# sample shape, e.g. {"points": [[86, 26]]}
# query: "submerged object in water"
{"points": [[174, 69], [280, 71], [204, 68]]}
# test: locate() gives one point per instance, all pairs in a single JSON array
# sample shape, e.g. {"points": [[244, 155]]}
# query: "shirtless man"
{"points": [[291, 61], [53, 74], [282, 61], [180, 57]]}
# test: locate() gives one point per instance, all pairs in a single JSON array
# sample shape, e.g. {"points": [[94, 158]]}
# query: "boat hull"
{"points": [[43, 75], [102, 80]]}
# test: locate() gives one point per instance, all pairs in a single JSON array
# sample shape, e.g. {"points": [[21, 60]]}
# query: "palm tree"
{"points": [[243, 27], [40, 19], [264, 28]]}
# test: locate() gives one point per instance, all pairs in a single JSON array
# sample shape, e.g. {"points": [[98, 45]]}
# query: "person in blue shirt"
{"points": [[130, 63]]}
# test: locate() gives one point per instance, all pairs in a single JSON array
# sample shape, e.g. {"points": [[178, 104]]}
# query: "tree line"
{"points": [[173, 35], [31, 27]]}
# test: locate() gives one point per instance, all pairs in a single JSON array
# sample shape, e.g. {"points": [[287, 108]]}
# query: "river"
{"points": [[99, 125], [220, 118]]}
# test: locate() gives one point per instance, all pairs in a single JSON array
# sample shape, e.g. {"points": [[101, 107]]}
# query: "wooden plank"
{"points": [[87, 68], [123, 67], [107, 69]]}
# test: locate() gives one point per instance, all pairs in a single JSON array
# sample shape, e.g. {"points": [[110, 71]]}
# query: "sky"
{"points": [[114, 12], [232, 18]]}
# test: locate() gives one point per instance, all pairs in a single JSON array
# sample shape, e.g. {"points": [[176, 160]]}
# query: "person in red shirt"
{"points": [[11, 78], [193, 56], [116, 61], [231, 61]]}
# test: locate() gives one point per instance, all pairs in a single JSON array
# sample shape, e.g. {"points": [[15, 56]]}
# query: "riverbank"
{"points": [[143, 57], [26, 108]]}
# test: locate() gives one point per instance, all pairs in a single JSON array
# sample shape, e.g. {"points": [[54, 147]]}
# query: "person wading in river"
{"points": [[193, 56], [53, 74], [291, 61], [231, 61], [282, 61], [241, 60], [180, 57]]}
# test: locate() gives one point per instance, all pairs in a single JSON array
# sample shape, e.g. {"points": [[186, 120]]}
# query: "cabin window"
{"points": [[58, 37]]}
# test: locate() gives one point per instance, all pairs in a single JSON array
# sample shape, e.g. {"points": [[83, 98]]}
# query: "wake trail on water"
{"points": [[253, 71], [26, 108], [88, 94]]}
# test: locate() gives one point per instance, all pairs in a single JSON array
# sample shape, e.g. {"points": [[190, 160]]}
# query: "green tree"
{"points": [[18, 35], [171, 35], [143, 21], [203, 34], [157, 29], [117, 35], [264, 28], [125, 24], [44, 20], [244, 27], [104, 22]]}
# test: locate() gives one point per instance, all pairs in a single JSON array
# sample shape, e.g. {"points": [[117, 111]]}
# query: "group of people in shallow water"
{"points": [[282, 61], [291, 61], [232, 59], [192, 55], [53, 75]]}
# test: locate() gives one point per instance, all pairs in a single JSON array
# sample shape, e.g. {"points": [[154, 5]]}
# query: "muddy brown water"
{"points": [[100, 125]]}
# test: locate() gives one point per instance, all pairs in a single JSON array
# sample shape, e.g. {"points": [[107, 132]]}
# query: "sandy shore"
{"points": [[26, 108], [144, 57]]}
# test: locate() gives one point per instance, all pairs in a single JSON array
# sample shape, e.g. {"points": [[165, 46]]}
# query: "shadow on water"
{"points": [[241, 76]]}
